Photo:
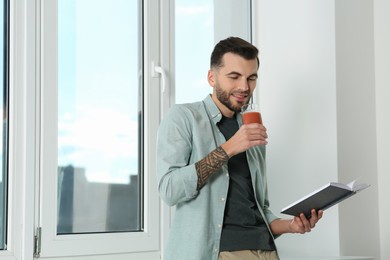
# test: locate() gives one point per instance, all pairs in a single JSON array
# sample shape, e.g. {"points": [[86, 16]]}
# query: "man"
{"points": [[213, 168]]}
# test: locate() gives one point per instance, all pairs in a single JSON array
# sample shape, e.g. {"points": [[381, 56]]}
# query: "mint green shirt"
{"points": [[187, 134]]}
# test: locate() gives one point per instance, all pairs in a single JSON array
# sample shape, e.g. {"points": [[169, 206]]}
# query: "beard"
{"points": [[224, 97]]}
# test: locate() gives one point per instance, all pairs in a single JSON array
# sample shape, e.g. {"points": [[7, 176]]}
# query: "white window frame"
{"points": [[53, 245], [21, 127]]}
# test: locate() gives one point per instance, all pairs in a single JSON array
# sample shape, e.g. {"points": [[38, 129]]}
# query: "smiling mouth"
{"points": [[240, 96]]}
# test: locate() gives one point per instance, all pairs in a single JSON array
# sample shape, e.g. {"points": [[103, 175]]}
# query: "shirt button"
{"points": [[227, 174], [222, 199], [215, 249], [219, 225]]}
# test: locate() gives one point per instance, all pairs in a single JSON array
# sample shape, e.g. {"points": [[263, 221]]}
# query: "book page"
{"points": [[354, 186]]}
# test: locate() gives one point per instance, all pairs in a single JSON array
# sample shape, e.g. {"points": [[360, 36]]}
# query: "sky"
{"points": [[194, 42]]}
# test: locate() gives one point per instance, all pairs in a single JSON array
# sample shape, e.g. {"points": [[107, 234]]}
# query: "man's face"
{"points": [[233, 83]]}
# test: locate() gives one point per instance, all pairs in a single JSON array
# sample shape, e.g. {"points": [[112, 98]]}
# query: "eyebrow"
{"points": [[233, 73], [239, 74]]}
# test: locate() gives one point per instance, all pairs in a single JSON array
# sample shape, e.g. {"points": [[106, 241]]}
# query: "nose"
{"points": [[243, 85]]}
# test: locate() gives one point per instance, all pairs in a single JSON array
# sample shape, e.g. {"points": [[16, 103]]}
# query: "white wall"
{"points": [[357, 155], [324, 91], [298, 99]]}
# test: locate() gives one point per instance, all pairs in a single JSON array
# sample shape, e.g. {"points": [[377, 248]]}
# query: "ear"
{"points": [[211, 77]]}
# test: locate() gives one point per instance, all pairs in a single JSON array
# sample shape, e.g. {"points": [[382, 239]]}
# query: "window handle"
{"points": [[159, 70], [164, 98]]}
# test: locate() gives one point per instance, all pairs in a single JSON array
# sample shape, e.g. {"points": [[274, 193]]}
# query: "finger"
{"points": [[314, 218], [305, 222], [255, 134], [256, 127], [320, 213], [263, 130], [300, 228]]}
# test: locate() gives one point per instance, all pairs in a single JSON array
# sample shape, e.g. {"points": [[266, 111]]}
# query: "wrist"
{"points": [[227, 150], [290, 229]]}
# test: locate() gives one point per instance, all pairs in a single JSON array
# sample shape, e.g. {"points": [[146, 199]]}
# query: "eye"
{"points": [[233, 76], [252, 78]]}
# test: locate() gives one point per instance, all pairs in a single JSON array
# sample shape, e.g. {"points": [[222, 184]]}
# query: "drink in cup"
{"points": [[251, 114]]}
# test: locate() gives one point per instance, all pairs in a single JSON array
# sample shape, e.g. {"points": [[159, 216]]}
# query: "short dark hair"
{"points": [[234, 45]]}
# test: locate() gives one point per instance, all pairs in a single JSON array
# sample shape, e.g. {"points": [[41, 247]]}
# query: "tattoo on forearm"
{"points": [[209, 165]]}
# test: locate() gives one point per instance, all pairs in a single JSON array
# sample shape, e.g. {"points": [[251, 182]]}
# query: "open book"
{"points": [[324, 198]]}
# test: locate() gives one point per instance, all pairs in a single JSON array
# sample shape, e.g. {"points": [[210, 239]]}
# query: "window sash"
{"points": [[54, 245]]}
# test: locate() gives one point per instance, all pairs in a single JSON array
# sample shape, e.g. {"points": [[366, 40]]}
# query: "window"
{"points": [[199, 25], [96, 137], [99, 117]]}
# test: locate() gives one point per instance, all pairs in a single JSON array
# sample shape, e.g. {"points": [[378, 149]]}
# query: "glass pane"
{"points": [[4, 32], [194, 20], [99, 116], [199, 24]]}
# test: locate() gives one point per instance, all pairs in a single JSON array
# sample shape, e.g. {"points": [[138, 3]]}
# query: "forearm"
{"points": [[209, 165], [281, 226]]}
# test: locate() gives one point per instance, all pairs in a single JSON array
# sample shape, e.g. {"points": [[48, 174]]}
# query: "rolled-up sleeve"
{"points": [[177, 179]]}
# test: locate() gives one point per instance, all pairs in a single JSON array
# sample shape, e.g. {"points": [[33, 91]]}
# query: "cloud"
{"points": [[102, 141]]}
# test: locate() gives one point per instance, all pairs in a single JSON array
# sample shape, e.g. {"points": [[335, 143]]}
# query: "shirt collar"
{"points": [[212, 109], [214, 112]]}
